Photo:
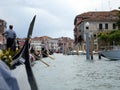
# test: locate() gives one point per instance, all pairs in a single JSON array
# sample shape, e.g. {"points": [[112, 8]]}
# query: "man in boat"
{"points": [[10, 36], [7, 80], [44, 51]]}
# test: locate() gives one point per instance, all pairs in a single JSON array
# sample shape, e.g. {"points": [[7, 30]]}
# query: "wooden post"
{"points": [[99, 55], [91, 47]]}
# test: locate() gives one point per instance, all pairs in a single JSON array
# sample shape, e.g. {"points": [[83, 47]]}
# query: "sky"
{"points": [[54, 18]]}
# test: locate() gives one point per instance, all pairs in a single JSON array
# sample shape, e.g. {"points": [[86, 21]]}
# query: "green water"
{"points": [[75, 73]]}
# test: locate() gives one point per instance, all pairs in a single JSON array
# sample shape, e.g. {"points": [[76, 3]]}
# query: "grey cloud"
{"points": [[54, 17]]}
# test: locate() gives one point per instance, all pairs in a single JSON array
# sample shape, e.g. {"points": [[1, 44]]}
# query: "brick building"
{"points": [[2, 28], [99, 21]]}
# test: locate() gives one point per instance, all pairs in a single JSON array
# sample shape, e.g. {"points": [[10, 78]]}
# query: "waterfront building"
{"points": [[53, 44], [99, 21], [65, 44], [3, 26], [36, 43]]}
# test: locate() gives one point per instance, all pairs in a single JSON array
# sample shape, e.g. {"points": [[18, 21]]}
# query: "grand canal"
{"points": [[73, 72]]}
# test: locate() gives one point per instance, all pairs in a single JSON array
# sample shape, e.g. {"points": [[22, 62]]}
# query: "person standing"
{"points": [[10, 36]]}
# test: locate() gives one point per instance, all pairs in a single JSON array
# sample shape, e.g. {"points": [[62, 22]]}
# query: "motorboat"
{"points": [[112, 54]]}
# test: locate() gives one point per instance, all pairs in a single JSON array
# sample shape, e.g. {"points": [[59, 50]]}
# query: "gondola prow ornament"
{"points": [[24, 53]]}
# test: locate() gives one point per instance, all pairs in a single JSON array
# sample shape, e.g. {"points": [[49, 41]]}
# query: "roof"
{"points": [[41, 38], [1, 20], [99, 16]]}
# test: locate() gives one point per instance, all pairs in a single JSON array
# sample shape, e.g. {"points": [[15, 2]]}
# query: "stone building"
{"points": [[55, 44], [2, 28], [99, 21], [65, 44]]}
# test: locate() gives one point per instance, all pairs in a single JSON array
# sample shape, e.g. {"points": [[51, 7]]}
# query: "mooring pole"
{"points": [[87, 41]]}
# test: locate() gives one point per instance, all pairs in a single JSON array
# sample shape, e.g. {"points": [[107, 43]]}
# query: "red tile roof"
{"points": [[98, 16]]}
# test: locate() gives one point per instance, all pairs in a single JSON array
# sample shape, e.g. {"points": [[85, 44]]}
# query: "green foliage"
{"points": [[115, 36], [103, 36], [110, 37]]}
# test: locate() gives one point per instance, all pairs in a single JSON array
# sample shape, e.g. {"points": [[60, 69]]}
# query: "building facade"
{"points": [[2, 29], [65, 44], [98, 22], [60, 45]]}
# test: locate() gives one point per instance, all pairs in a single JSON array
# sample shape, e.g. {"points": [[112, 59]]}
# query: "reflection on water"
{"points": [[77, 73]]}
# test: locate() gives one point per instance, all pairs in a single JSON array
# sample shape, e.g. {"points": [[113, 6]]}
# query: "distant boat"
{"points": [[80, 52], [112, 54], [74, 52]]}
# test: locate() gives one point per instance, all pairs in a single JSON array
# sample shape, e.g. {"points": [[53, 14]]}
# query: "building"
{"points": [[99, 21], [2, 29], [61, 44], [53, 44], [36, 43], [65, 44]]}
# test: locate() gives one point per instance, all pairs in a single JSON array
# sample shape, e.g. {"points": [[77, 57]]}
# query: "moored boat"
{"points": [[112, 54]]}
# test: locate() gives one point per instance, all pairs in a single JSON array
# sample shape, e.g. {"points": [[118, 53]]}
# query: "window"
{"points": [[106, 26], [95, 46], [100, 26], [79, 30], [94, 35], [114, 26]]}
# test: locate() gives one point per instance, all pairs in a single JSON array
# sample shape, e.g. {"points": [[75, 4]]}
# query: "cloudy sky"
{"points": [[54, 18]]}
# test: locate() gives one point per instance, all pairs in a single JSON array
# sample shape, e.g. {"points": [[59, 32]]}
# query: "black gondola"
{"points": [[24, 53]]}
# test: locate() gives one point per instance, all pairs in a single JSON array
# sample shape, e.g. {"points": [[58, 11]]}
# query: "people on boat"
{"points": [[17, 44], [10, 36], [37, 52], [32, 49], [44, 52], [7, 80]]}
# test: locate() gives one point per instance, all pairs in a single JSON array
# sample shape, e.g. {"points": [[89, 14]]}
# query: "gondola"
{"points": [[24, 54]]}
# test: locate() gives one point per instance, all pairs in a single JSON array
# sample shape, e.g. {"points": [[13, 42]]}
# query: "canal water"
{"points": [[73, 72]]}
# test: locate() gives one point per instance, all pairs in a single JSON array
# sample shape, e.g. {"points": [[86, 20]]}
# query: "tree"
{"points": [[103, 36], [110, 37]]}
